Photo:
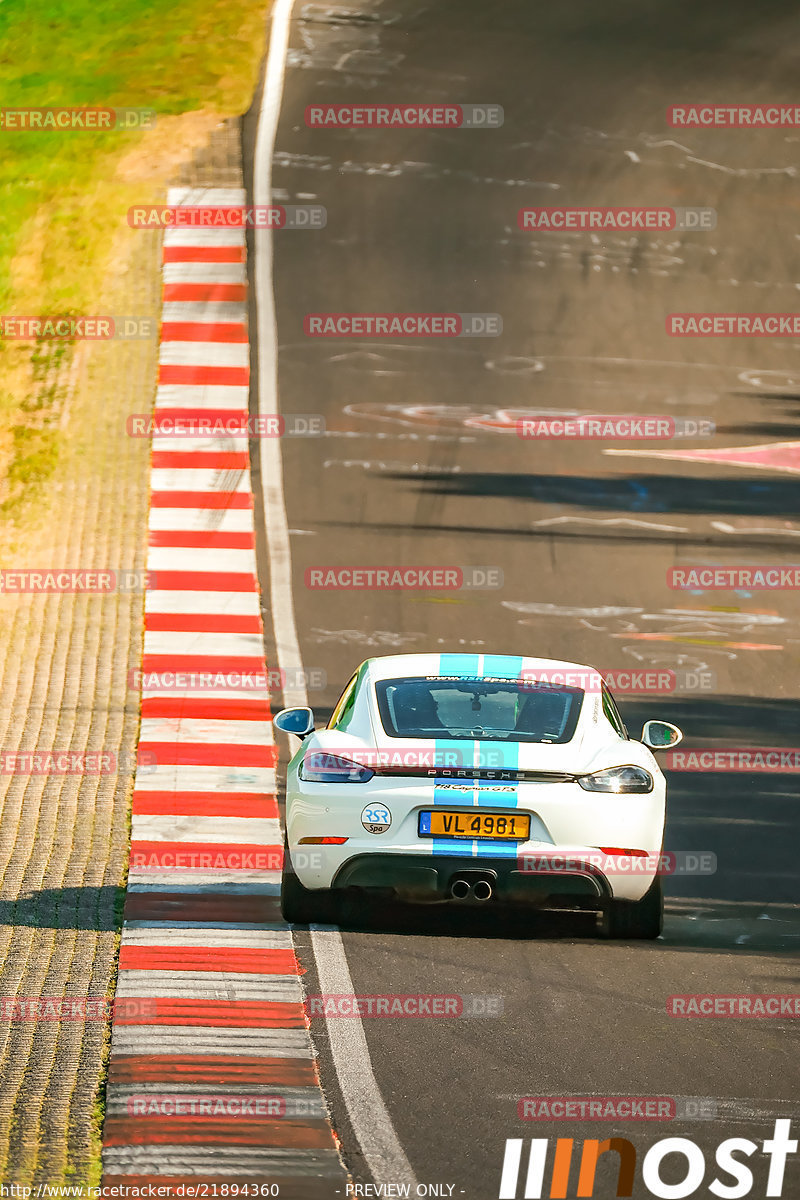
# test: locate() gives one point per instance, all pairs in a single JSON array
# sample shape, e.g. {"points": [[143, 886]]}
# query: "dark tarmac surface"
{"points": [[421, 465]]}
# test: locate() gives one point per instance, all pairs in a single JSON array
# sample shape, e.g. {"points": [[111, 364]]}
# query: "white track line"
{"points": [[280, 554], [368, 1114]]}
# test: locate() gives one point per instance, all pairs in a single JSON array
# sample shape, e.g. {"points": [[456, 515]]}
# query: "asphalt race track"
{"points": [[421, 466]]}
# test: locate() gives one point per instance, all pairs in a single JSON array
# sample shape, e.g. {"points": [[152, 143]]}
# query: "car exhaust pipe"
{"points": [[459, 889], [482, 890]]}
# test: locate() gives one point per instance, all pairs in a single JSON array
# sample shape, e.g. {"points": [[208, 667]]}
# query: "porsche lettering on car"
{"points": [[477, 778]]}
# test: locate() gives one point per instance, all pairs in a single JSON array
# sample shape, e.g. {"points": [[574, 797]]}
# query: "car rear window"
{"points": [[461, 709]]}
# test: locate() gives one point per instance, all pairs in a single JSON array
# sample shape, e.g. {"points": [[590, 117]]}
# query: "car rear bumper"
{"points": [[422, 878]]}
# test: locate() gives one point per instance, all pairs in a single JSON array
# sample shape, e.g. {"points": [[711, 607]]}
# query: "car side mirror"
{"points": [[660, 735], [299, 721]]}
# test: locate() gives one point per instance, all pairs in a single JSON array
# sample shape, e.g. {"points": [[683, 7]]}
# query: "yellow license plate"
{"points": [[511, 826]]}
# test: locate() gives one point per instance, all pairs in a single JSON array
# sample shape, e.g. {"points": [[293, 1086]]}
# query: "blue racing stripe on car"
{"points": [[460, 664], [444, 795], [497, 755], [503, 756], [502, 666], [477, 793]]}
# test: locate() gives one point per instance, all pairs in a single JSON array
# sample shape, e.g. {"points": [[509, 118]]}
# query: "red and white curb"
{"points": [[212, 1077]]}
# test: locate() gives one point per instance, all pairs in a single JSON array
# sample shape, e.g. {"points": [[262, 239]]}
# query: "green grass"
{"points": [[62, 196], [174, 58]]}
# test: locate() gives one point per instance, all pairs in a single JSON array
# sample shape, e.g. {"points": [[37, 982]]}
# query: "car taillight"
{"points": [[619, 850], [329, 841], [319, 767]]}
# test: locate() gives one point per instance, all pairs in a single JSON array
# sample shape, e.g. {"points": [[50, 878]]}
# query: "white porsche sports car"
{"points": [[477, 778]]}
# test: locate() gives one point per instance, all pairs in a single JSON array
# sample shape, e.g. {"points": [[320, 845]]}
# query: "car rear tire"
{"points": [[637, 919], [301, 905]]}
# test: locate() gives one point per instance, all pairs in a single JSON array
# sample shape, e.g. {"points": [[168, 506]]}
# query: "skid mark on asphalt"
{"points": [[387, 638], [346, 42], [415, 468], [646, 142], [705, 928], [677, 622], [696, 641], [710, 628], [772, 456], [613, 522], [737, 1110], [785, 529], [778, 531], [405, 167]]}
